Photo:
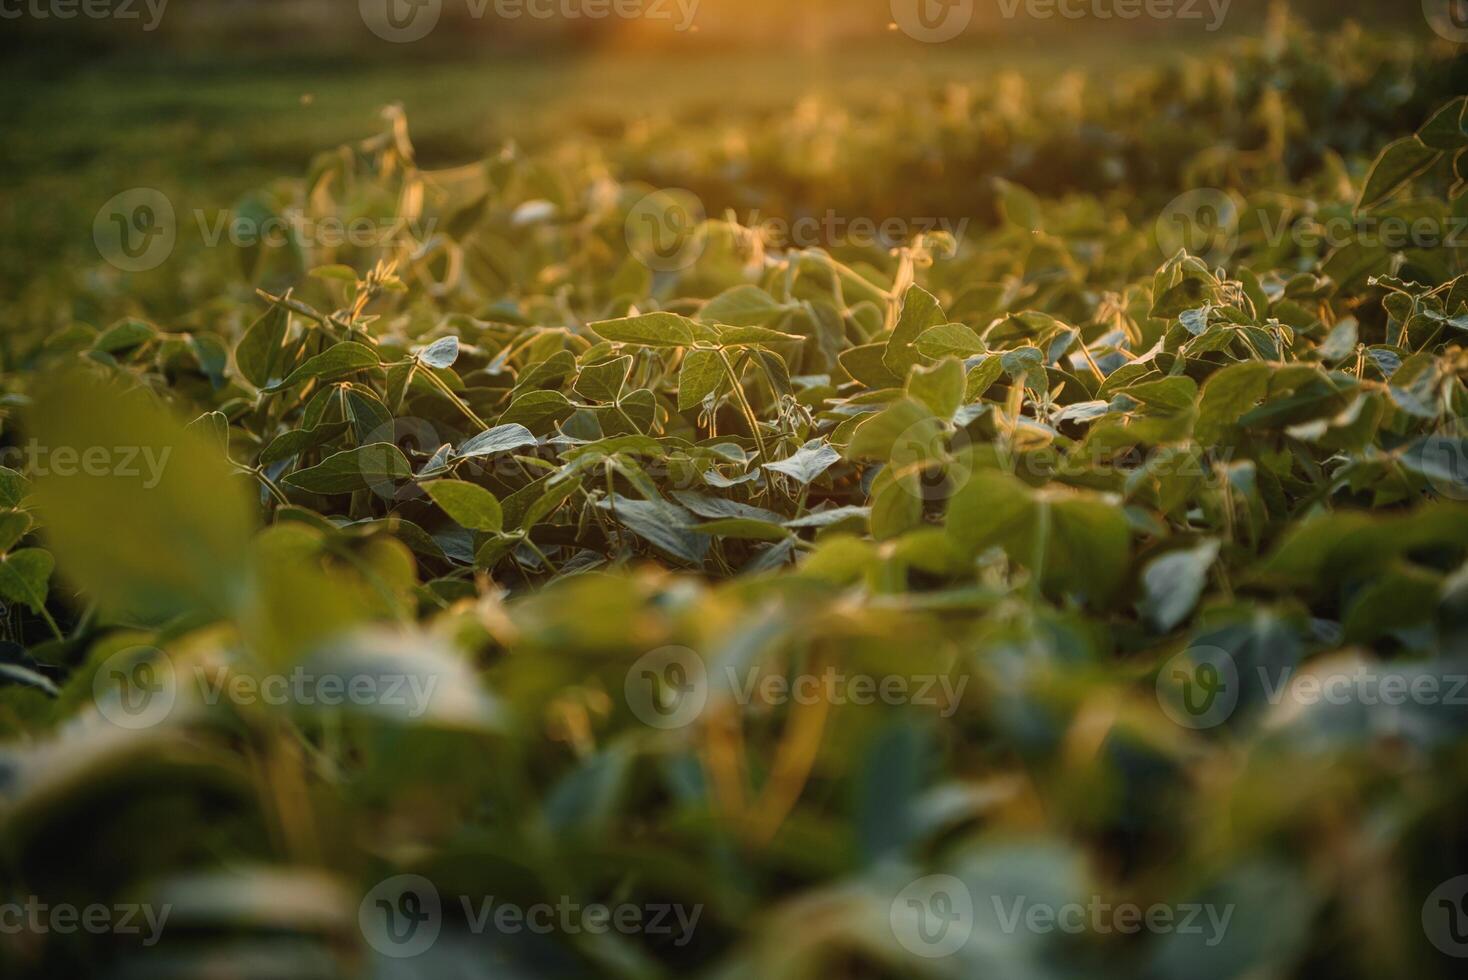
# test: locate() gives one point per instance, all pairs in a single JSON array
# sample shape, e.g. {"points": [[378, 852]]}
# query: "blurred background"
{"points": [[209, 99]]}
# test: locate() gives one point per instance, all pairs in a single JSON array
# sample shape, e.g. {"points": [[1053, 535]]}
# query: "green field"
{"points": [[908, 511]]}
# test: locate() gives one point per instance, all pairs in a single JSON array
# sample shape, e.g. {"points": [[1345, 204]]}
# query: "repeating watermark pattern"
{"points": [[933, 21], [148, 12], [1200, 688], [1445, 917], [1208, 223], [665, 230], [403, 917], [1443, 461], [35, 917], [1449, 18], [406, 21], [139, 688], [933, 462], [138, 230], [935, 916], [1210, 13], [1205, 222], [131, 462], [670, 687]]}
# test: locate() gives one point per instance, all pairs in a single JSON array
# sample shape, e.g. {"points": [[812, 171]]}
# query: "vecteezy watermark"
{"points": [[933, 21], [1449, 18], [1209, 222], [294, 226], [666, 231], [935, 916], [1445, 917], [406, 21], [1443, 460], [149, 11], [145, 462], [931, 461], [36, 917], [137, 230], [1201, 687], [670, 687], [1205, 222], [403, 917], [1212, 12], [139, 687]]}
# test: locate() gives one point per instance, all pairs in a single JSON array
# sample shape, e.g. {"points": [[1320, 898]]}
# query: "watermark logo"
{"points": [[1205, 222], [136, 230], [153, 10], [664, 230], [401, 917], [401, 21], [411, 436], [1199, 688], [930, 462], [670, 687], [667, 688], [406, 21], [40, 918], [1443, 461], [136, 688], [933, 21], [1449, 18], [1445, 917], [1215, 12], [1101, 917], [933, 917]]}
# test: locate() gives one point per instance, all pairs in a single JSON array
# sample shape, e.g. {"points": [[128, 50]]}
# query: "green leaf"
{"points": [[753, 336], [604, 382], [124, 334], [661, 524], [1173, 583], [14, 525], [701, 375], [537, 410], [440, 354], [500, 439], [260, 351], [949, 340], [866, 365], [1227, 396], [25, 577], [375, 466], [163, 526], [1446, 129], [743, 529], [920, 311], [1397, 165], [904, 420], [742, 306], [334, 362], [298, 441], [1075, 543], [647, 330], [470, 505], [808, 462], [939, 387]]}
